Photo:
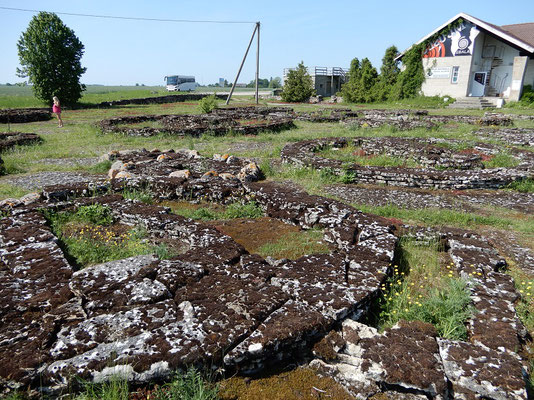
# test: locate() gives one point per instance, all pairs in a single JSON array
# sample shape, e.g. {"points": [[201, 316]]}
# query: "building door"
{"points": [[479, 84]]}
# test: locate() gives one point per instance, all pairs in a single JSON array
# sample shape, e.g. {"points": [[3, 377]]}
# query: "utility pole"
{"points": [[258, 62], [256, 29]]}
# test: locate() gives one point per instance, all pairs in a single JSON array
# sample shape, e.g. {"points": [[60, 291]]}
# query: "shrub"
{"points": [[527, 98], [523, 185], [89, 237], [446, 307], [95, 214], [208, 103]]}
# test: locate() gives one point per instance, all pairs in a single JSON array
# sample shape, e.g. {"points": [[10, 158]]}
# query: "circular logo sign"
{"points": [[463, 43]]}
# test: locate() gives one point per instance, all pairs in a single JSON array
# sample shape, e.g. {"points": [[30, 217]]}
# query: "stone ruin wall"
{"points": [[304, 154]]}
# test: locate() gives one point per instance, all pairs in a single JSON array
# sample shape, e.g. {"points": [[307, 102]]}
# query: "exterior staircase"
{"points": [[479, 103], [491, 91]]}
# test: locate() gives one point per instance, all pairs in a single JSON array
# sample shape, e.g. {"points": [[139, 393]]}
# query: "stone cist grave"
{"points": [[21, 115], [411, 358], [219, 306], [410, 119], [246, 121], [441, 167], [215, 304]]}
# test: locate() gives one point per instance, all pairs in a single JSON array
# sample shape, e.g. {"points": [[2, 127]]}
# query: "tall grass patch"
{"points": [[190, 385], [116, 388], [423, 290], [501, 160], [445, 217]]}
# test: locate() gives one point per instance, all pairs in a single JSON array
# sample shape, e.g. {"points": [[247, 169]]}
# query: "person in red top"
{"points": [[56, 108]]}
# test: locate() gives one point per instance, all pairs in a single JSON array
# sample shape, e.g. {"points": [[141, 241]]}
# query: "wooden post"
{"points": [[242, 62], [257, 62]]}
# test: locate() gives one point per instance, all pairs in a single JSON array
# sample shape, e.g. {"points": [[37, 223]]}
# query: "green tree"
{"points": [[349, 89], [275, 82], [361, 86], [389, 72], [50, 55], [298, 86], [262, 83]]}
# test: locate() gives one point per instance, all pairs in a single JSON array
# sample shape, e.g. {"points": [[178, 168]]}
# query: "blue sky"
{"points": [[322, 33]]}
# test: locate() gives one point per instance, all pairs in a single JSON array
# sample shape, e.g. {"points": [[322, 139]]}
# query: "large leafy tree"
{"points": [[298, 86], [50, 55]]}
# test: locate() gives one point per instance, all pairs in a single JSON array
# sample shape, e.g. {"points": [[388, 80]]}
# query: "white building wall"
{"points": [[529, 74], [443, 86]]}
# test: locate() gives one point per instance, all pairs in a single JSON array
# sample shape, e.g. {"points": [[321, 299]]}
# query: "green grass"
{"points": [[89, 236], [22, 96], [116, 388], [214, 212], [100, 168], [15, 396], [295, 244], [445, 217], [190, 385], [523, 186], [351, 154], [8, 191], [501, 160], [143, 195]]}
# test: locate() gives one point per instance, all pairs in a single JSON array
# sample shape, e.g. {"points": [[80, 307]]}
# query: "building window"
{"points": [[454, 77]]}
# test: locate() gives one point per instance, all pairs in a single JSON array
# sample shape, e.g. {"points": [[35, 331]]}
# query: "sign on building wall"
{"points": [[458, 42], [438, 72]]}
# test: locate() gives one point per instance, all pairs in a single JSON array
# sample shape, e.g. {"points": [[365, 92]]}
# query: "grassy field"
{"points": [[80, 139], [21, 96]]}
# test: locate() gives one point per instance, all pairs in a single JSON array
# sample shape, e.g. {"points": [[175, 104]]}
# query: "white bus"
{"points": [[180, 83]]}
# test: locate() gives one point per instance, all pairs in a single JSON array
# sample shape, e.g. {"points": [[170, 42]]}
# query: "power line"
{"points": [[134, 18]]}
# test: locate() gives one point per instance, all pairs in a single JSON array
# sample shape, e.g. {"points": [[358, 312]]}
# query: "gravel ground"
{"points": [[69, 161], [41, 179]]}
